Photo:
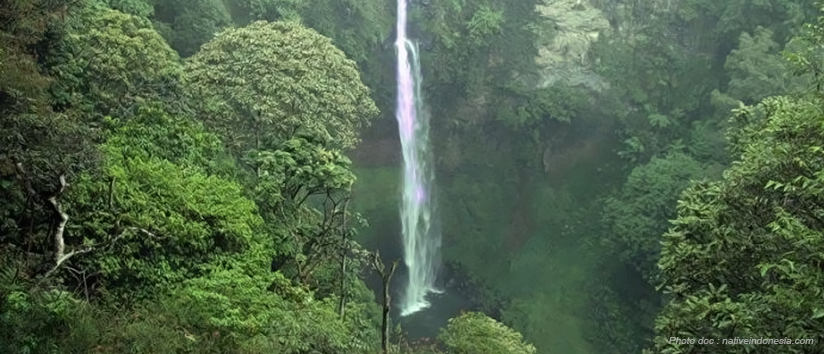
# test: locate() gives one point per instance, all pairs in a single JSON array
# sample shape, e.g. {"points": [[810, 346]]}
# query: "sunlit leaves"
{"points": [[263, 313], [154, 132], [307, 164], [191, 217], [112, 60], [475, 333], [270, 80]]}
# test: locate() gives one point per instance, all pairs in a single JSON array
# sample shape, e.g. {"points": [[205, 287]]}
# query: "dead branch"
{"points": [[309, 193], [386, 277], [342, 305], [62, 218], [94, 247], [77, 274], [57, 208], [318, 245], [59, 243]]}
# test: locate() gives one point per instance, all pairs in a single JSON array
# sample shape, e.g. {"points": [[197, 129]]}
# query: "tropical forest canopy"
{"points": [[221, 176]]}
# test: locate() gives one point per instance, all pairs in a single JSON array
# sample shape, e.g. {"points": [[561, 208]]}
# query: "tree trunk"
{"points": [[386, 276], [386, 302], [342, 305]]}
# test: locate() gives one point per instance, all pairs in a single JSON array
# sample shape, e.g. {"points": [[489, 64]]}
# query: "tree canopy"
{"points": [[638, 215], [205, 205], [272, 80], [475, 333], [742, 257], [109, 60]]}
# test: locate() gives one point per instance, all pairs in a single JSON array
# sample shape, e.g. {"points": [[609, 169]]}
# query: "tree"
{"points": [[757, 71], [260, 312], [269, 10], [638, 215], [303, 189], [271, 80], [475, 333], [386, 279], [743, 257], [46, 143], [144, 241], [109, 61], [39, 149], [139, 8], [806, 58], [156, 201]]}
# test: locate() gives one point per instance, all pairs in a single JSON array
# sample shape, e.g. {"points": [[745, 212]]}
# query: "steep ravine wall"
{"points": [[566, 32]]}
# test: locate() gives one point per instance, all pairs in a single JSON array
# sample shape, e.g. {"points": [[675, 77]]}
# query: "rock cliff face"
{"points": [[565, 34]]}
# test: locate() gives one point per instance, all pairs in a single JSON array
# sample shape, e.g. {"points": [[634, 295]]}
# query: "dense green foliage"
{"points": [[142, 220], [171, 218], [741, 259], [475, 333], [107, 61], [209, 205], [273, 80], [586, 225], [639, 214]]}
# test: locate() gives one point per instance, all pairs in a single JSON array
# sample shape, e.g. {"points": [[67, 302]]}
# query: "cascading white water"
{"points": [[421, 244]]}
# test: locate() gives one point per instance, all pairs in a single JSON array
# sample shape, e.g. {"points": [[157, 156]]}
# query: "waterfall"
{"points": [[421, 243]]}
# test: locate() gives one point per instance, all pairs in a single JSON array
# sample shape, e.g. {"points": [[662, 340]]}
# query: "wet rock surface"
{"points": [[565, 35]]}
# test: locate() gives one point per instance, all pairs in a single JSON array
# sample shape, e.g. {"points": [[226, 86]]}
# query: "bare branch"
{"points": [[91, 248], [308, 194], [62, 219], [59, 244], [386, 276], [342, 304]]}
